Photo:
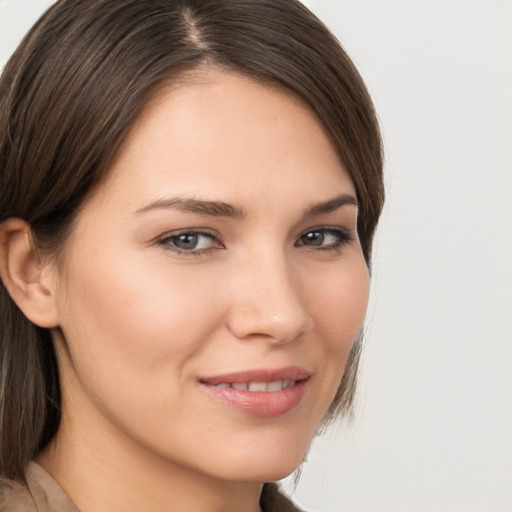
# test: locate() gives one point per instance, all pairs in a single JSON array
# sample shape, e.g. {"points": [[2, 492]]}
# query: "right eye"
{"points": [[190, 242]]}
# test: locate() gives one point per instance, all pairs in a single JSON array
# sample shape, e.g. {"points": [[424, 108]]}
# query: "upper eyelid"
{"points": [[327, 228], [215, 233], [195, 231]]}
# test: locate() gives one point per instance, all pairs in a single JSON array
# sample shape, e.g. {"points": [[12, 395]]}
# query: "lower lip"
{"points": [[264, 404]]}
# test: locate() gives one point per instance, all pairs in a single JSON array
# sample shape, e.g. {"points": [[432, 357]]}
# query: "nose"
{"points": [[267, 301]]}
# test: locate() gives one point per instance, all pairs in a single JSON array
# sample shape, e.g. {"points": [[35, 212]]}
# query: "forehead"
{"points": [[218, 129]]}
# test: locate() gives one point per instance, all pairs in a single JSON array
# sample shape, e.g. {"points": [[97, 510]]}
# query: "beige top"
{"points": [[41, 493]]}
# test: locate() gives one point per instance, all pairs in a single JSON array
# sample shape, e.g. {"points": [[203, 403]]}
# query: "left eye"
{"points": [[190, 241], [325, 238]]}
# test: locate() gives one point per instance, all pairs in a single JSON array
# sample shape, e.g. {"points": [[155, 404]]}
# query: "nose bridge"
{"points": [[267, 298]]}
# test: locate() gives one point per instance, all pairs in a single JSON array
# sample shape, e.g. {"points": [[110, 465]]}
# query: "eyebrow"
{"points": [[209, 208], [221, 209], [331, 205]]}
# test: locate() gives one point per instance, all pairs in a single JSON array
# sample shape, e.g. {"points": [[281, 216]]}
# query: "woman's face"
{"points": [[213, 285]]}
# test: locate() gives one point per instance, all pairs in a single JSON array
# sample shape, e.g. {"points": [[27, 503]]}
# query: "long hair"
{"points": [[68, 97]]}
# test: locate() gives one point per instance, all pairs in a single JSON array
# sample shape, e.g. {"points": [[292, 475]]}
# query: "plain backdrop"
{"points": [[433, 428]]}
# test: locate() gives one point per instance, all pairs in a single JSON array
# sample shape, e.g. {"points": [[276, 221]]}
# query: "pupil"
{"points": [[314, 238], [186, 241]]}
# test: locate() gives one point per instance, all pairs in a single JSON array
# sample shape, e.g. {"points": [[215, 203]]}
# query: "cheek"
{"points": [[339, 308], [134, 317], [337, 302]]}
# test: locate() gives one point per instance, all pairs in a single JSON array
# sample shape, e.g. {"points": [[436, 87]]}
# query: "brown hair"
{"points": [[68, 97]]}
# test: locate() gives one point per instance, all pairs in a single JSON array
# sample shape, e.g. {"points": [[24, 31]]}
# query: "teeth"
{"points": [[278, 385], [288, 383], [275, 386], [257, 386]]}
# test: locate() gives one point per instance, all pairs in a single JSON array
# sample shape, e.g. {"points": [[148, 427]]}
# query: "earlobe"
{"points": [[26, 277]]}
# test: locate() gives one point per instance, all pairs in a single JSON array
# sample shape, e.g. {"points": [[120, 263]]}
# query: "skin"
{"points": [[137, 323]]}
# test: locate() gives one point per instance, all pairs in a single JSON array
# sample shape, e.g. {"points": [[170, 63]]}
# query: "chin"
{"points": [[270, 470], [263, 460]]}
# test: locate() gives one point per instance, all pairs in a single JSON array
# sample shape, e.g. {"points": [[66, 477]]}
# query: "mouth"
{"points": [[266, 387], [264, 392]]}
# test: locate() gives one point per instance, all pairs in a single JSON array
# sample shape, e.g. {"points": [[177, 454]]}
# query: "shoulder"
{"points": [[15, 497], [36, 492]]}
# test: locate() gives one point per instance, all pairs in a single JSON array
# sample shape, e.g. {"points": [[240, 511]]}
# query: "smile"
{"points": [[277, 385], [263, 393]]}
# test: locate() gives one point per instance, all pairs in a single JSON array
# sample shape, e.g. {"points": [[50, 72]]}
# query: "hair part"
{"points": [[68, 98]]}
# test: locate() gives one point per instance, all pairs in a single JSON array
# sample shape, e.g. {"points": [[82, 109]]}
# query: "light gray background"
{"points": [[433, 430]]}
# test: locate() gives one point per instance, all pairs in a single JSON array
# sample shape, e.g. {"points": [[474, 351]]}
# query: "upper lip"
{"points": [[294, 373]]}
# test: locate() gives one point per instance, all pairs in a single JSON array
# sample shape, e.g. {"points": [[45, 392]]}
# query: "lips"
{"points": [[262, 392]]}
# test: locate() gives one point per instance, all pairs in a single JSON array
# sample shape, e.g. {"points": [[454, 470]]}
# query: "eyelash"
{"points": [[341, 235], [168, 242]]}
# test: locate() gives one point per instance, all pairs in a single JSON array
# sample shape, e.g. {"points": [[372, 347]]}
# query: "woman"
{"points": [[189, 194]]}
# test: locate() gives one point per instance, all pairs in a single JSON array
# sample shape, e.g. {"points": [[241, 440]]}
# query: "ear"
{"points": [[28, 279]]}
